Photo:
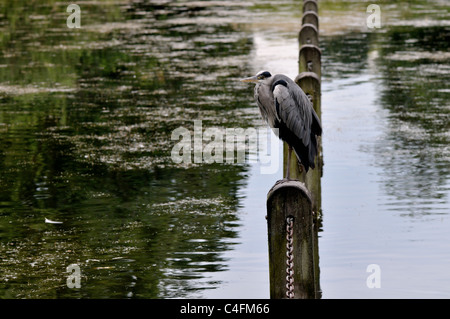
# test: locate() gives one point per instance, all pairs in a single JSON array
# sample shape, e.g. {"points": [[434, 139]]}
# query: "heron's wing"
{"points": [[294, 109]]}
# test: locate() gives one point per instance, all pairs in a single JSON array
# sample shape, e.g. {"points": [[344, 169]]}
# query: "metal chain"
{"points": [[290, 257]]}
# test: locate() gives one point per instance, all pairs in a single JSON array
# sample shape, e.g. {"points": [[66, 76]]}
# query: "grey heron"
{"points": [[290, 114]]}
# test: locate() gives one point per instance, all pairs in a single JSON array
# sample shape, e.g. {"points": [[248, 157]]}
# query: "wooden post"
{"points": [[310, 84], [310, 17], [309, 59], [310, 5], [291, 199], [309, 79], [308, 35]]}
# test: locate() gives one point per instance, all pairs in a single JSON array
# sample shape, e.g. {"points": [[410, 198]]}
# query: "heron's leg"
{"points": [[288, 162]]}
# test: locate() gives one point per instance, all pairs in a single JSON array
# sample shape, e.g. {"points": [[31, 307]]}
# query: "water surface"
{"points": [[86, 117]]}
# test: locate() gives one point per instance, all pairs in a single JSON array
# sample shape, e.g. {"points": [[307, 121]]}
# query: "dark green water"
{"points": [[86, 117], [86, 120]]}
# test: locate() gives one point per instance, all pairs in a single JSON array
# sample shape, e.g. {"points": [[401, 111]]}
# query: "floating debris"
{"points": [[48, 221]]}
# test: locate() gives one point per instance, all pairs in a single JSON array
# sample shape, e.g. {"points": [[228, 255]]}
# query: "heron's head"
{"points": [[259, 77]]}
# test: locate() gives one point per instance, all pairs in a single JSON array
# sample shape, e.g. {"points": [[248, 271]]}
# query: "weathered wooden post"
{"points": [[309, 79], [310, 84], [310, 17], [309, 59], [291, 253], [310, 5], [308, 35], [293, 205]]}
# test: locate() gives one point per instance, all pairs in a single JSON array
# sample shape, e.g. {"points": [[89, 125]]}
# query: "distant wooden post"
{"points": [[310, 5], [309, 59], [309, 79], [291, 199], [310, 17], [308, 35], [310, 84]]}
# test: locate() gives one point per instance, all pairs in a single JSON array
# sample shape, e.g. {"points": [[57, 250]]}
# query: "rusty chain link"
{"points": [[290, 257]]}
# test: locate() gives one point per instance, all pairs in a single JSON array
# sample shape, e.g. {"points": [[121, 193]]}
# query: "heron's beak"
{"points": [[252, 79]]}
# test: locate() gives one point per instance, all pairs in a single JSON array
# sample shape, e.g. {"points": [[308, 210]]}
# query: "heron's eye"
{"points": [[260, 77]]}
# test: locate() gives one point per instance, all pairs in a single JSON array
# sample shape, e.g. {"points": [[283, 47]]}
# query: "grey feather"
{"points": [[284, 106]]}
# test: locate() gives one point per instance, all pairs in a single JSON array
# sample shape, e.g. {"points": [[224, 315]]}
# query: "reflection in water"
{"points": [[416, 148], [414, 71], [386, 178]]}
